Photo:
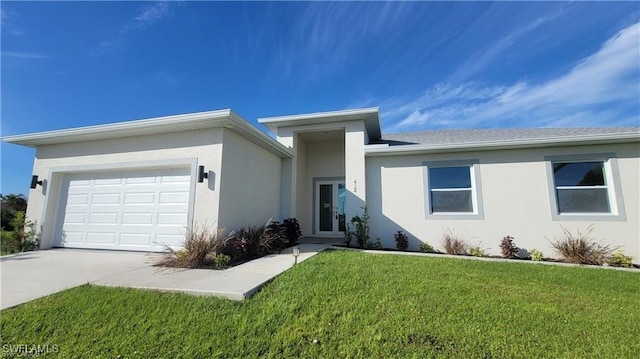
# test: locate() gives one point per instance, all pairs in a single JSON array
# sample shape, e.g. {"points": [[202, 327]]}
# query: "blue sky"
{"points": [[426, 65]]}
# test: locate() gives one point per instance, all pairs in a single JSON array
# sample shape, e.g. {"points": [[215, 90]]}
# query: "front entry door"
{"points": [[331, 198]]}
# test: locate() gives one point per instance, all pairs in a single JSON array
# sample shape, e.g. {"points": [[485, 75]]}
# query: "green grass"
{"points": [[356, 306]]}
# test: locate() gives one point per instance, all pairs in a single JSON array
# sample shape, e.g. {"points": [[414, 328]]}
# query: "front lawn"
{"points": [[342, 304]]}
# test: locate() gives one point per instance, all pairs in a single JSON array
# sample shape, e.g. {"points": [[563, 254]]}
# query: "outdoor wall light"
{"points": [[35, 182], [202, 174], [296, 253]]}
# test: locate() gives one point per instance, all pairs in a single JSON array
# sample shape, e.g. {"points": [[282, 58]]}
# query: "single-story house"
{"points": [[137, 185]]}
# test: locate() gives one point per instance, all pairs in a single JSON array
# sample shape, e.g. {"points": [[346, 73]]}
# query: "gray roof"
{"points": [[450, 136]]}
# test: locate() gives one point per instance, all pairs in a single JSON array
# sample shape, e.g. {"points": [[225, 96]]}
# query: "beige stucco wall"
{"points": [[515, 197], [249, 184], [182, 149]]}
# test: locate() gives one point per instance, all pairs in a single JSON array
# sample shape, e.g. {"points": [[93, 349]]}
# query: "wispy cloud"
{"points": [[147, 16], [23, 55], [327, 34], [601, 89], [487, 56], [7, 15], [154, 13]]}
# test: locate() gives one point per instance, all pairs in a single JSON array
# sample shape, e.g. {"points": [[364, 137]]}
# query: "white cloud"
{"points": [[23, 55], [7, 15], [148, 15], [602, 89]]}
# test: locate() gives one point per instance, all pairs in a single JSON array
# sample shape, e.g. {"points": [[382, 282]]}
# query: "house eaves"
{"points": [[610, 138], [159, 125], [370, 116]]}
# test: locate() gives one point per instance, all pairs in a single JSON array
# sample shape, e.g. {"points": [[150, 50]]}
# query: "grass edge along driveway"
{"points": [[349, 304]]}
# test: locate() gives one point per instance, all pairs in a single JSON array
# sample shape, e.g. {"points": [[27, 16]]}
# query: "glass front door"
{"points": [[331, 197]]}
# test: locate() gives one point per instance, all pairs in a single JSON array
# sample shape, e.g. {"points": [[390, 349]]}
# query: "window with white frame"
{"points": [[453, 189], [585, 187], [581, 187]]}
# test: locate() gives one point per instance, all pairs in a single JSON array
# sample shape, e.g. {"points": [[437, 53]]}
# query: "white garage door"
{"points": [[127, 210]]}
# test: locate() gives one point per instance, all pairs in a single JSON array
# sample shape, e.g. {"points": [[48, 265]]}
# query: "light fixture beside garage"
{"points": [[202, 174], [35, 182]]}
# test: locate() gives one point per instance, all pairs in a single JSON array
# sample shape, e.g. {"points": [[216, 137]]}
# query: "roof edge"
{"points": [[626, 137], [118, 127], [318, 115]]}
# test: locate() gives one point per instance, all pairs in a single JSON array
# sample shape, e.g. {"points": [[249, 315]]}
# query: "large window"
{"points": [[584, 186], [453, 189]]}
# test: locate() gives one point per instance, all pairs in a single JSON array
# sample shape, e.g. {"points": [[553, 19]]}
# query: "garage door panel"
{"points": [[103, 218], [72, 237], [139, 198], [105, 198], [101, 238], [184, 179], [127, 210], [140, 180], [137, 218], [162, 239], [135, 239], [174, 197], [107, 182], [172, 218]]}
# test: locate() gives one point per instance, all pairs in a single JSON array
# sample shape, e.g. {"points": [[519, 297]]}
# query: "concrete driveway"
{"points": [[30, 275]]}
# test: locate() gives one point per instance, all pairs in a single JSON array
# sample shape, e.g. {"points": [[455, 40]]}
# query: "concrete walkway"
{"points": [[237, 283], [30, 275]]}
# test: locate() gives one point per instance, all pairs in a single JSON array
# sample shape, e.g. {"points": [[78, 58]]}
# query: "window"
{"points": [[584, 187], [452, 189], [581, 187]]}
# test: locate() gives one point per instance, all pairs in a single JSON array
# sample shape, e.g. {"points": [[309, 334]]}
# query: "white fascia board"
{"points": [[370, 116], [317, 115], [199, 120], [238, 125], [375, 150]]}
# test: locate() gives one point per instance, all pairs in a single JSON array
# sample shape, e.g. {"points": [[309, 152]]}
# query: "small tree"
{"points": [[360, 229]]}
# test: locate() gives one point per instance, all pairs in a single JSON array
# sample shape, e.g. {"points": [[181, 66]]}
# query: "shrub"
{"points": [[402, 241], [581, 248], [619, 259], [453, 244], [507, 247], [477, 252], [536, 255], [24, 236], [348, 235], [426, 248], [291, 230], [360, 229], [377, 244], [200, 245], [221, 260]]}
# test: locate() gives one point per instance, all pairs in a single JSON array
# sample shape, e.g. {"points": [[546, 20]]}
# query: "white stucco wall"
{"points": [[320, 159], [249, 184], [515, 197], [181, 149]]}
